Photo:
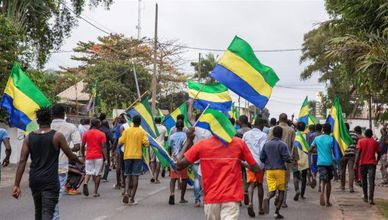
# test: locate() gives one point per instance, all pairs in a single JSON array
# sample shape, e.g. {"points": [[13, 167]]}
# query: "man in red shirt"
{"points": [[221, 172], [367, 148], [96, 155]]}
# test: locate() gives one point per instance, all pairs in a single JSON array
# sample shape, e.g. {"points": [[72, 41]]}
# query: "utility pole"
{"points": [[155, 58], [199, 67], [138, 26]]}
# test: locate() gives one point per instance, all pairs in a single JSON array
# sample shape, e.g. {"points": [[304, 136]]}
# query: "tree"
{"points": [[9, 48], [44, 24], [264, 113], [110, 61], [204, 67], [350, 52]]}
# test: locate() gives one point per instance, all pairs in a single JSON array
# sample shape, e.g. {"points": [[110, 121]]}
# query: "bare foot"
{"points": [[322, 200]]}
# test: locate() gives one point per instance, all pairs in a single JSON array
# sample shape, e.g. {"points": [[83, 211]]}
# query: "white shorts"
{"points": [[94, 167], [222, 211]]}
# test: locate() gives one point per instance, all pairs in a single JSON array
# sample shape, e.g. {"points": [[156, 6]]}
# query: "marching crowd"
{"points": [[226, 174]]}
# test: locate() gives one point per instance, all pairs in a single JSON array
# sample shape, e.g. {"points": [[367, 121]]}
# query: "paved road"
{"points": [[152, 205]]}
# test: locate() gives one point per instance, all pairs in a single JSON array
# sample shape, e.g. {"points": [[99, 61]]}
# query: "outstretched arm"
{"points": [[182, 162]]}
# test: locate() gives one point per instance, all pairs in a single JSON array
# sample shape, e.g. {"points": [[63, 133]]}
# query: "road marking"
{"points": [[101, 217], [152, 193]]}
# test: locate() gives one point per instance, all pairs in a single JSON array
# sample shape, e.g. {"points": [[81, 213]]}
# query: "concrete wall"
{"points": [[16, 140], [364, 124]]}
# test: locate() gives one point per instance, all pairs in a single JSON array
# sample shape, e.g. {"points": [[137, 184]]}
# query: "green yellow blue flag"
{"points": [[214, 95], [301, 143], [234, 112], [143, 109], [218, 124], [21, 99], [305, 116], [241, 71], [170, 120], [190, 175], [160, 114], [304, 112], [342, 138]]}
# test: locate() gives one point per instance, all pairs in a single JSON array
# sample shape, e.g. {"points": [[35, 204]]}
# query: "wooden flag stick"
{"points": [[138, 99]]}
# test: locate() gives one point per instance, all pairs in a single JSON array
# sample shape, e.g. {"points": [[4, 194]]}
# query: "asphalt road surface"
{"points": [[153, 204]]}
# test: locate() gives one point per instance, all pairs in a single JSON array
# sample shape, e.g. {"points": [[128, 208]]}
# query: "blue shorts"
{"points": [[133, 167], [313, 165]]}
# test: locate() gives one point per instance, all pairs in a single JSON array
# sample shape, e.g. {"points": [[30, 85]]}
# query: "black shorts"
{"points": [[326, 173]]}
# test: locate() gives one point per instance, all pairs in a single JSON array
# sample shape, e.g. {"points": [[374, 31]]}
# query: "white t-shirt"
{"points": [[255, 139], [72, 136], [162, 133]]}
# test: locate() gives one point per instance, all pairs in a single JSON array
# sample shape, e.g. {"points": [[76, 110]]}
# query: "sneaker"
{"points": [[197, 205], [171, 200], [266, 205], [251, 213], [73, 192], [85, 190], [278, 216]]}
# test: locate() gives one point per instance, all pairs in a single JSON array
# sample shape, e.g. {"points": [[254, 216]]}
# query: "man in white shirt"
{"points": [[155, 163], [72, 135], [255, 139]]}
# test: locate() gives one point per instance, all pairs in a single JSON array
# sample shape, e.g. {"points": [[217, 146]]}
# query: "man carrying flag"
{"points": [[175, 145], [323, 145], [301, 170], [223, 152], [133, 138]]}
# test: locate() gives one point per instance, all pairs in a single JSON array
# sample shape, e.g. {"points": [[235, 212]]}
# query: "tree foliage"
{"points": [[204, 67], [44, 24], [110, 62], [350, 52]]}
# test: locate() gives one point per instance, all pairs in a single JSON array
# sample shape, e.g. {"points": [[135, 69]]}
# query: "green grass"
{"points": [[382, 206]]}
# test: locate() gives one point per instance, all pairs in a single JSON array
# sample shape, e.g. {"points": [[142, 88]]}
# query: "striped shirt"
{"points": [[351, 150]]}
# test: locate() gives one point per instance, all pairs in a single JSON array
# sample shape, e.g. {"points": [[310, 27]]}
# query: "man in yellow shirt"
{"points": [[133, 139]]}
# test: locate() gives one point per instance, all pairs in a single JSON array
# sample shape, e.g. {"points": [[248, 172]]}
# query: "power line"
{"points": [[256, 51], [185, 47], [87, 21]]}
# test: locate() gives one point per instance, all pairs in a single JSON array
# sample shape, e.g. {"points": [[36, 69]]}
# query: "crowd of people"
{"points": [[65, 157]]}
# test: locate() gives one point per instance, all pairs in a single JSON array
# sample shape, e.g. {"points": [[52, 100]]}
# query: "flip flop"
{"points": [[85, 190]]}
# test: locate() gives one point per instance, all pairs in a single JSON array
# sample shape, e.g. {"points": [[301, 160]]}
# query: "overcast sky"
{"points": [[213, 24]]}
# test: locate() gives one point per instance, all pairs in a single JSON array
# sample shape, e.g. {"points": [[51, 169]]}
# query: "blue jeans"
{"points": [[197, 184], [62, 181]]}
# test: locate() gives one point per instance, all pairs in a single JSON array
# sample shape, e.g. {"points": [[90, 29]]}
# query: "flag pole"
{"points": [[133, 103], [200, 115]]}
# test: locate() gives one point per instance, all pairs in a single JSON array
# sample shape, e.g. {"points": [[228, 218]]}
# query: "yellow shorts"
{"points": [[276, 180]]}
